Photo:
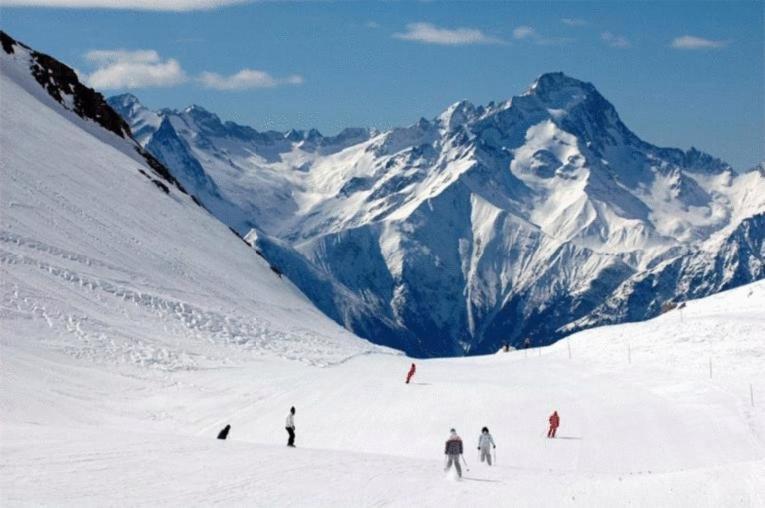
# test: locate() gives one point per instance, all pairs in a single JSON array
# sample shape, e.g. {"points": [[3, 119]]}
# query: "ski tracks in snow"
{"points": [[179, 319]]}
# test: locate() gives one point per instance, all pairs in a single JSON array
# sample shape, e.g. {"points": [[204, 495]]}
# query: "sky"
{"points": [[679, 73]]}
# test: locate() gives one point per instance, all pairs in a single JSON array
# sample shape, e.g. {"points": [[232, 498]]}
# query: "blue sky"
{"points": [[679, 73]]}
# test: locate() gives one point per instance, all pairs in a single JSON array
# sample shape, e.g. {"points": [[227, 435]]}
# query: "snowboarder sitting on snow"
{"points": [[453, 450], [485, 443], [409, 375], [290, 426], [554, 422], [223, 434]]}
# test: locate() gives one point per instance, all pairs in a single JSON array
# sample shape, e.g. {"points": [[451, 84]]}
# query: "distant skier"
{"points": [[223, 434], [453, 451], [506, 347], [554, 422], [527, 343], [411, 372], [290, 426], [485, 444]]}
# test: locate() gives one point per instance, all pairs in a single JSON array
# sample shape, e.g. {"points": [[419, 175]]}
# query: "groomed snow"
{"points": [[654, 432]]}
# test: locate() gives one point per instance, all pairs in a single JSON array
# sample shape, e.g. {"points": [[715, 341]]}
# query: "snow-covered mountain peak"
{"points": [[456, 115], [549, 84], [127, 102], [484, 219], [144, 122]]}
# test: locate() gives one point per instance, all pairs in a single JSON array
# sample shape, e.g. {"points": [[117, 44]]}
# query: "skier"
{"points": [[453, 451], [223, 434], [506, 347], [554, 422], [485, 443], [290, 426], [411, 372], [527, 343]]}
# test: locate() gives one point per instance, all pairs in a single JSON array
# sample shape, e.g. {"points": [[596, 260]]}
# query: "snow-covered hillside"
{"points": [[105, 259], [642, 423], [525, 218]]}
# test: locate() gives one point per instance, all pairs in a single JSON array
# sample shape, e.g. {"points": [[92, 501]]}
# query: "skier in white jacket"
{"points": [[290, 426], [485, 444]]}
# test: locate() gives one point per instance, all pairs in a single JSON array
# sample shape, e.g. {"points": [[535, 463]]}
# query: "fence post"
{"points": [[629, 353], [568, 342]]}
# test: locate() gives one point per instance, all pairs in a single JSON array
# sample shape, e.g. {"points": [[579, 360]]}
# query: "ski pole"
{"points": [[467, 468]]}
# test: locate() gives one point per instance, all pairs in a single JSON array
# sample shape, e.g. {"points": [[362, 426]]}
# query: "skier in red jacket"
{"points": [[554, 422], [411, 372]]}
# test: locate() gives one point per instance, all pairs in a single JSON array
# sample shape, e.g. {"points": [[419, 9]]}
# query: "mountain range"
{"points": [[527, 218]]}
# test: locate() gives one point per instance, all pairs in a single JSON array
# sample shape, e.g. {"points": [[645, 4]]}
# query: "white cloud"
{"points": [[430, 34], [574, 21], [693, 42], [145, 68], [615, 40], [132, 69], [528, 33], [524, 32], [246, 79], [149, 5]]}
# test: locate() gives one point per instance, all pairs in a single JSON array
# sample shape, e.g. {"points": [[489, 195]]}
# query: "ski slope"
{"points": [[654, 432], [134, 326]]}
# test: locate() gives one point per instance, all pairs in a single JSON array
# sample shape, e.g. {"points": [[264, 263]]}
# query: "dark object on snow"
{"points": [[276, 271], [527, 343], [453, 450], [223, 434], [668, 306], [162, 186]]}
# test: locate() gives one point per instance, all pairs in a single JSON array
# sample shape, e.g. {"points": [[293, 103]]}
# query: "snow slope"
{"points": [[110, 257], [525, 218], [652, 431]]}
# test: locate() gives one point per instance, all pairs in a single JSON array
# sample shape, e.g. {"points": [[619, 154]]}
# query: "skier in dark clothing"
{"points": [[411, 372], [223, 434], [290, 426], [453, 451]]}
